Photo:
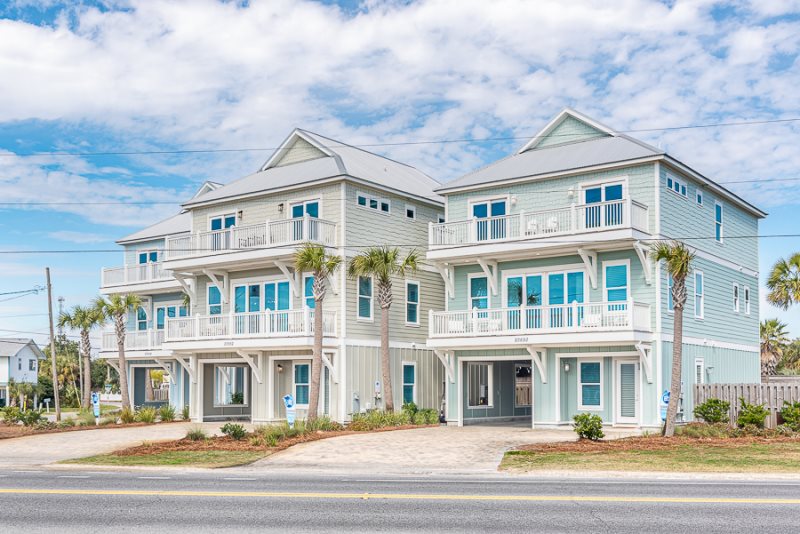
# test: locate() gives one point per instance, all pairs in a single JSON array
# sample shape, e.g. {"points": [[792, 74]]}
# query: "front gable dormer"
{"points": [[567, 127]]}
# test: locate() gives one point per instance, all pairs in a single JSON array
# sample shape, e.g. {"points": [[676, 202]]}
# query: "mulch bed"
{"points": [[651, 443], [18, 431]]}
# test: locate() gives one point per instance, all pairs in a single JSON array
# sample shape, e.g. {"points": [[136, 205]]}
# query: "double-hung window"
{"points": [[412, 302], [365, 298], [699, 294], [746, 300], [616, 282], [590, 378], [480, 385], [308, 292], [141, 319], [478, 293], [31, 365], [214, 301], [718, 228], [736, 297], [302, 373], [409, 382]]}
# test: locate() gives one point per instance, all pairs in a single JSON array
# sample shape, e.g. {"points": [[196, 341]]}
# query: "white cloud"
{"points": [[79, 237]]}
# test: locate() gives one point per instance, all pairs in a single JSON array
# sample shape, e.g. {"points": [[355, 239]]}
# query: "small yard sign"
{"points": [[288, 401], [96, 407], [664, 404]]}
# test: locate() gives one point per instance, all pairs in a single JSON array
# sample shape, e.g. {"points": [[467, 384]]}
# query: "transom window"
{"points": [[409, 382], [676, 186], [148, 256], [365, 297], [230, 385], [372, 202], [412, 302], [168, 312], [590, 377], [220, 222], [699, 294], [480, 385], [302, 379]]}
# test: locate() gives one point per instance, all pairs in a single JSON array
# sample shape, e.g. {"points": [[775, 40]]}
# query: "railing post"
{"points": [[474, 320], [231, 325], [521, 223], [474, 231], [306, 320], [430, 233], [267, 236], [430, 321], [626, 215], [196, 332], [573, 218], [630, 313], [306, 223], [573, 321]]}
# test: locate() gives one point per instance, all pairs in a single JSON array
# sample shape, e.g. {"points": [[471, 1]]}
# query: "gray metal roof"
{"points": [[10, 346], [556, 158], [177, 224], [345, 160]]}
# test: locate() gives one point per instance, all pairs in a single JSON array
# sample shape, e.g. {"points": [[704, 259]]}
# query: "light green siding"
{"points": [[570, 130], [299, 150], [132, 251]]}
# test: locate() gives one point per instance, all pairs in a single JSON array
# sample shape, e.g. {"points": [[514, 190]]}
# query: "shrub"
{"points": [[419, 419], [411, 408], [588, 426], [85, 419], [322, 424], [146, 415], [431, 416], [375, 419], [12, 415], [196, 434], [237, 398], [31, 417], [702, 430], [127, 416], [751, 414], [713, 411], [791, 415], [166, 413], [234, 430], [66, 423], [185, 413]]}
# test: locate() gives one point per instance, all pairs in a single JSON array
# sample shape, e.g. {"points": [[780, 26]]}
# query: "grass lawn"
{"points": [[198, 458], [659, 454]]}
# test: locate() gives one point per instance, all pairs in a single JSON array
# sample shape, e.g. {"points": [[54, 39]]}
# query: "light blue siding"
{"points": [[570, 130]]}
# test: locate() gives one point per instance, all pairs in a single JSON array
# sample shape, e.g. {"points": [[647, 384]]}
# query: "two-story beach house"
{"points": [[553, 304], [19, 362], [245, 338]]}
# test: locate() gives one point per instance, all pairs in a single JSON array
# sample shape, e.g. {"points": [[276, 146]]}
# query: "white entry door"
{"points": [[627, 394]]}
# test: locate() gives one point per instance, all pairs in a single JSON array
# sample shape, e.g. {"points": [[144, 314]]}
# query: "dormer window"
{"points": [[677, 186]]}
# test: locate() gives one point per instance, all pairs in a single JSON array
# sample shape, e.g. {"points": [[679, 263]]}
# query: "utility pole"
{"points": [[52, 345]]}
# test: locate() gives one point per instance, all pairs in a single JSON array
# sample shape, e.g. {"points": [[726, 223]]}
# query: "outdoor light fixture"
{"points": [[514, 200], [566, 368], [280, 207], [280, 368]]}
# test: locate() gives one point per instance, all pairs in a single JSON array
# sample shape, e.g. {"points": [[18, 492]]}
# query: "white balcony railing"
{"points": [[575, 219], [262, 235], [134, 339], [134, 274], [288, 323], [586, 317]]}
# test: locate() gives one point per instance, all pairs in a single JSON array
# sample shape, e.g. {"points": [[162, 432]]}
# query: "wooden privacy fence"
{"points": [[771, 396]]}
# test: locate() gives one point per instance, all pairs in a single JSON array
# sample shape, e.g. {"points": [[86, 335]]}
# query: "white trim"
{"points": [[295, 384], [589, 408], [704, 342], [283, 149], [403, 381], [357, 342], [413, 209], [699, 362], [489, 386], [208, 305], [628, 285], [418, 303], [293, 203], [657, 196], [736, 297], [702, 294], [488, 297], [222, 213], [746, 291], [682, 184], [341, 357], [617, 416], [378, 201], [371, 318], [555, 122], [602, 183], [721, 223], [492, 273]]}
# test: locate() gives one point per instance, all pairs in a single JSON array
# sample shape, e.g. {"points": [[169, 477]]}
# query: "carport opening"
{"points": [[498, 392], [150, 387]]}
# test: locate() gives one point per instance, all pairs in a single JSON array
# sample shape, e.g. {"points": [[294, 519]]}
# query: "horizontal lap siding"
{"points": [[570, 130], [132, 251]]}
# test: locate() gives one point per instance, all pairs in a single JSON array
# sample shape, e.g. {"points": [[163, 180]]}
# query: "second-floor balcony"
{"points": [[135, 274], [269, 234], [150, 339], [576, 219], [264, 324]]}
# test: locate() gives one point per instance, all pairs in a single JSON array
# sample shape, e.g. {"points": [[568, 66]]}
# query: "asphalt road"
{"points": [[143, 501]]}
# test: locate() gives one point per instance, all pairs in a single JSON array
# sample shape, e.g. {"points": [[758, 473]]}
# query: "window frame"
{"points": [[746, 290], [404, 383], [139, 321], [222, 215], [719, 224], [295, 365], [245, 386], [209, 288], [304, 296], [303, 203], [32, 364], [698, 197], [413, 210], [699, 363], [489, 385], [670, 302], [517, 365], [615, 263], [683, 186], [441, 218], [581, 405], [702, 294], [359, 296], [736, 297], [369, 198], [488, 296], [417, 303]]}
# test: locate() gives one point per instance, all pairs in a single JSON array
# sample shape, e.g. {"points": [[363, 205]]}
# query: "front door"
{"points": [[300, 210], [627, 394], [603, 205], [490, 220]]}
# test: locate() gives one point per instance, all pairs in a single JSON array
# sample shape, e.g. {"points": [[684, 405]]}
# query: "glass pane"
{"points": [[301, 373], [574, 287], [183, 311], [238, 299], [480, 211], [498, 208], [297, 211], [229, 385], [269, 297], [365, 286], [216, 224], [283, 296], [312, 209], [616, 295], [160, 318], [385, 207], [718, 213], [154, 257], [364, 308], [591, 395], [590, 372], [373, 203], [362, 201], [411, 312], [698, 283], [143, 257], [533, 286], [413, 293], [408, 374], [301, 392], [614, 192], [478, 287], [593, 195], [171, 311], [254, 298], [230, 220], [478, 385], [408, 394], [308, 292], [556, 293], [616, 276], [514, 290]]}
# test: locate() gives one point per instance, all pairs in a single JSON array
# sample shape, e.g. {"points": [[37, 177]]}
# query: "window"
{"points": [[141, 319], [411, 212], [718, 222], [214, 301], [736, 298], [699, 371], [148, 257], [165, 312], [378, 204], [409, 382], [478, 293], [699, 198], [746, 300], [590, 377], [31, 365], [440, 218], [494, 210], [276, 296], [220, 222], [598, 214], [616, 281], [308, 207], [230, 385], [301, 383], [308, 292], [670, 302], [247, 298], [699, 294], [676, 186], [365, 297], [479, 385], [412, 302], [522, 385], [19, 364]]}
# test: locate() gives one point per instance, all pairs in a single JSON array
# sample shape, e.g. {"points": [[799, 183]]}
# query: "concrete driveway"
{"points": [[432, 450]]}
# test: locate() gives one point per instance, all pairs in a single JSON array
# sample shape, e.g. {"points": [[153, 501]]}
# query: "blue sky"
{"points": [[149, 75]]}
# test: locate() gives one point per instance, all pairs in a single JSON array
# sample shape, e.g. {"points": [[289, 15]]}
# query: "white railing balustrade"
{"points": [[261, 235], [575, 317], [134, 339], [548, 223], [285, 323], [133, 274]]}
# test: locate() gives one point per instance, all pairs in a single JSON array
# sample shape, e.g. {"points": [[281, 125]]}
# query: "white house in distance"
{"points": [[19, 361]]}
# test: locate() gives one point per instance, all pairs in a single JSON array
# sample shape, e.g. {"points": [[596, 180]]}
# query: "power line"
{"points": [[388, 144]]}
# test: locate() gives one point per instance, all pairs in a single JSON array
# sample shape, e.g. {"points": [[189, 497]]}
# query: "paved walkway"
{"points": [[440, 450], [43, 449]]}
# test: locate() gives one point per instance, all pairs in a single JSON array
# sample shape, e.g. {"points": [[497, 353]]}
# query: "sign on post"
{"points": [[47, 402], [96, 407], [288, 402], [664, 404]]}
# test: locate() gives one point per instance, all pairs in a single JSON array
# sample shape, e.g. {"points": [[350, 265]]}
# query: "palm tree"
{"points": [[314, 258], [774, 340], [784, 282], [678, 260], [383, 263], [83, 319], [116, 308]]}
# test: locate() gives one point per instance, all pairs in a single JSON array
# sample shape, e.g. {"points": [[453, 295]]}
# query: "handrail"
{"points": [[133, 274], [282, 323]]}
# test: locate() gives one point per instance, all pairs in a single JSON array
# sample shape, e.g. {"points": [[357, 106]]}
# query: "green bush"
{"points": [[196, 434], [237, 398], [375, 419], [713, 411], [234, 430], [166, 413], [185, 413], [85, 419], [127, 416], [751, 414], [431, 416], [419, 419], [411, 408], [12, 415], [322, 424], [703, 430], [66, 423], [146, 415], [791, 415], [588, 426]]}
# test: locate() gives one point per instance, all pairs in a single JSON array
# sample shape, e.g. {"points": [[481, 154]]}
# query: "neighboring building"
{"points": [[19, 362], [247, 339], [553, 304]]}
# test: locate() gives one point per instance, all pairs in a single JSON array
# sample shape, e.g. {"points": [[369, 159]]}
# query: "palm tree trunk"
{"points": [[386, 377], [86, 382], [123, 368], [148, 385], [316, 363], [677, 362]]}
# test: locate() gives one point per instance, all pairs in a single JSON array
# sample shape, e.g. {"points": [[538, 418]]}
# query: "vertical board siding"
{"points": [[772, 396]]}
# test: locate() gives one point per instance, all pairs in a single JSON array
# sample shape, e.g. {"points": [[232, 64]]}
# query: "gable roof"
{"points": [[306, 157], [572, 141], [11, 346]]}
